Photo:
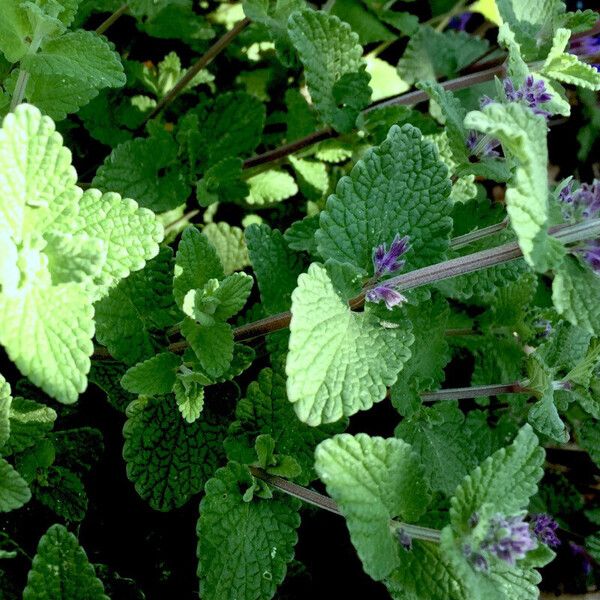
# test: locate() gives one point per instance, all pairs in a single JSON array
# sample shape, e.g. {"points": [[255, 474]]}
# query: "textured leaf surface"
{"points": [[153, 376], [373, 480], [14, 492], [506, 480], [168, 459], [400, 187], [212, 344], [30, 421], [128, 318], [61, 570], [275, 266], [269, 187], [356, 358], [243, 547], [523, 136], [230, 245], [439, 437], [5, 404], [266, 410], [130, 235], [329, 49], [196, 262], [147, 170], [576, 295]]}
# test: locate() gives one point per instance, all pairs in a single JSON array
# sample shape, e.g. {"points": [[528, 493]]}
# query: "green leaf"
{"points": [[439, 437], [243, 547], [61, 569], [429, 355], [63, 492], [14, 29], [365, 23], [431, 54], [147, 170], [543, 415], [266, 410], [276, 268], [400, 187], [523, 136], [129, 235], [576, 295], [129, 318], [506, 480], [30, 421], [270, 187], [567, 68], [329, 49], [154, 376], [212, 345], [47, 333], [196, 262], [106, 375], [222, 183], [312, 177], [588, 436], [168, 459], [300, 236], [5, 406], [14, 492], [357, 357], [373, 480], [230, 245], [189, 394]]}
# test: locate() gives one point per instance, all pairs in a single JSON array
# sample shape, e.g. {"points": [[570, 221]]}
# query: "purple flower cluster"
{"points": [[544, 528], [532, 93], [586, 46], [584, 201], [387, 261], [459, 22], [508, 538]]}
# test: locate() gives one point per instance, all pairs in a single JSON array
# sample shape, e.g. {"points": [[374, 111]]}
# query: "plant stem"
{"points": [[112, 18], [326, 503], [474, 236], [202, 62], [23, 78], [476, 391]]}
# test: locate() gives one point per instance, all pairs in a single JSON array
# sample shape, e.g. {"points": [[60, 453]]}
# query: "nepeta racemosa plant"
{"points": [[270, 232]]}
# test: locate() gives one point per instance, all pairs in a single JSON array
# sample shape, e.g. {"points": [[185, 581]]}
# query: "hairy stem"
{"points": [[202, 62], [326, 503], [23, 78], [474, 236], [112, 19], [476, 391]]}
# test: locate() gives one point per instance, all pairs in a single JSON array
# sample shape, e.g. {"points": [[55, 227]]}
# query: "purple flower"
{"points": [[585, 46], [476, 559], [386, 292], [387, 261], [588, 197], [481, 145], [459, 22], [566, 194], [591, 254], [544, 528], [508, 538], [578, 550], [532, 93]]}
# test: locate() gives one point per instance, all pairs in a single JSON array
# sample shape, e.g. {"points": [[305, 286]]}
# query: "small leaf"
{"points": [[152, 377]]}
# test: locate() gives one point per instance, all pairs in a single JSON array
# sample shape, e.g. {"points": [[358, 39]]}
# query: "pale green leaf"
{"points": [[168, 459], [576, 295], [61, 570], [153, 376], [400, 187], [523, 136], [47, 333], [130, 235], [5, 407], [566, 67], [329, 50], [14, 492], [312, 177], [243, 547], [230, 245], [357, 357], [270, 187], [30, 421], [373, 480], [189, 394]]}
